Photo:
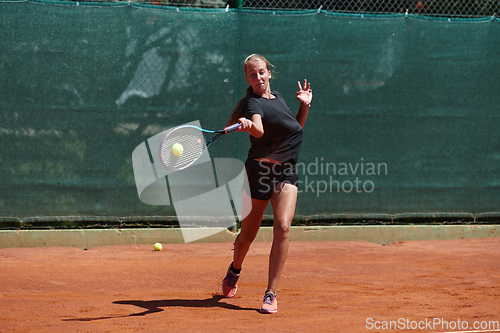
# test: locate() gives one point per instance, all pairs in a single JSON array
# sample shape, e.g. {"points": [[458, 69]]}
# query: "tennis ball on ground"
{"points": [[157, 247], [177, 149]]}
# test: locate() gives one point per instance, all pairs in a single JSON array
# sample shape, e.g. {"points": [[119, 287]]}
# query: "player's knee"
{"points": [[281, 231], [246, 238]]}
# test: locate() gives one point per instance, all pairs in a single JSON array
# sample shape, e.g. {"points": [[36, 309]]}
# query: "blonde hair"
{"points": [[239, 110]]}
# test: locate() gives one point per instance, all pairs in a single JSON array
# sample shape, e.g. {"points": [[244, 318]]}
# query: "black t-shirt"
{"points": [[282, 132]]}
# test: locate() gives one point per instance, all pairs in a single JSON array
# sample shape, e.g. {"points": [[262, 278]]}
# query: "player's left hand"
{"points": [[304, 95]]}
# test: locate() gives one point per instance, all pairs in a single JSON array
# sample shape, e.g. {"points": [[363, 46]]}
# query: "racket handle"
{"points": [[231, 128]]}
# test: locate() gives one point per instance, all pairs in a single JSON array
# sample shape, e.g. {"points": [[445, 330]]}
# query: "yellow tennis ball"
{"points": [[177, 149], [157, 247]]}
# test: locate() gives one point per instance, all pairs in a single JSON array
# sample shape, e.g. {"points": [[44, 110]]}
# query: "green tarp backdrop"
{"points": [[405, 116]]}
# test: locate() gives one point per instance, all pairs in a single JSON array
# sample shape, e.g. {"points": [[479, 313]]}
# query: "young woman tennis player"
{"points": [[271, 166]]}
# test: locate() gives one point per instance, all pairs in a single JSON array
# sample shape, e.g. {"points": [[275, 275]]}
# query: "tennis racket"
{"points": [[184, 145]]}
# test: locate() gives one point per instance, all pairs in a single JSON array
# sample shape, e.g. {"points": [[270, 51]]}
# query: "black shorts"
{"points": [[263, 177]]}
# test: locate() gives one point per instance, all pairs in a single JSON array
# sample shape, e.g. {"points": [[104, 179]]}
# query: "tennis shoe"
{"points": [[270, 303], [230, 283]]}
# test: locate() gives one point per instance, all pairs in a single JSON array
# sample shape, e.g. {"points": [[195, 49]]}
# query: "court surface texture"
{"points": [[351, 286]]}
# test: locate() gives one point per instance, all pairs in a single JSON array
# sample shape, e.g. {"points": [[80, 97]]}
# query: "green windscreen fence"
{"points": [[404, 121]]}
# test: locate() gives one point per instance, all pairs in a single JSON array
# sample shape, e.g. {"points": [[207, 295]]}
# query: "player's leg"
{"points": [[283, 200], [249, 228], [260, 186]]}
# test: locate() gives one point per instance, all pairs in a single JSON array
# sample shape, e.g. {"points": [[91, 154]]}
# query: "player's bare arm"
{"points": [[304, 96]]}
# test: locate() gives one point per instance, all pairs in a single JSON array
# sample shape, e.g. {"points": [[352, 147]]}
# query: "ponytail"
{"points": [[239, 110]]}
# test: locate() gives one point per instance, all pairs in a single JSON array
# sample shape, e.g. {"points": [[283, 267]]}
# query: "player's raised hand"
{"points": [[304, 95]]}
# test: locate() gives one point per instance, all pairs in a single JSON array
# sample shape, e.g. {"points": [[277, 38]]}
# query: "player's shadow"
{"points": [[158, 305]]}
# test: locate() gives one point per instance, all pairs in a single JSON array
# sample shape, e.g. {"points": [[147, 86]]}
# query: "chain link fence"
{"points": [[438, 8], [459, 8]]}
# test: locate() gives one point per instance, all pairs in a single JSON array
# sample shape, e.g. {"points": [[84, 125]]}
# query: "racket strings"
{"points": [[193, 142]]}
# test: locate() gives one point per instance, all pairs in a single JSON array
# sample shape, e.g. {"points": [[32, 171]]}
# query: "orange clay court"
{"points": [[325, 287]]}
